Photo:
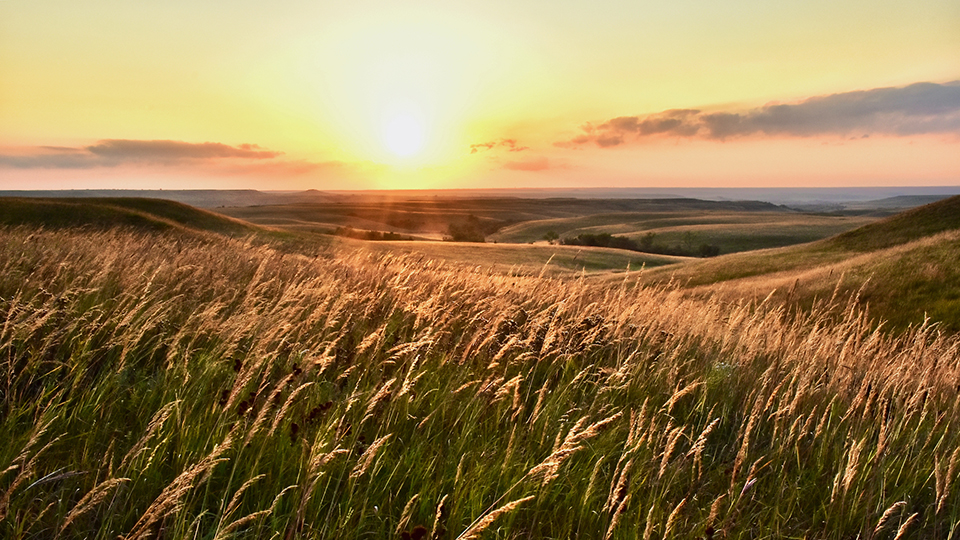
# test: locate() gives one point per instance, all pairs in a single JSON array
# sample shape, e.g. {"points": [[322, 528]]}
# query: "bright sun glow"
{"points": [[400, 87], [403, 134]]}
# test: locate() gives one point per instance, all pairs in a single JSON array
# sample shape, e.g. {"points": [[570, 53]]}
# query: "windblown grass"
{"points": [[159, 387]]}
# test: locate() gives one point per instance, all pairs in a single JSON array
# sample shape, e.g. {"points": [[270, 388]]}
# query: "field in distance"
{"points": [[731, 226], [901, 266]]}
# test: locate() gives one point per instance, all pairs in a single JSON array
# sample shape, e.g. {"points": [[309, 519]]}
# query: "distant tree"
{"points": [[468, 230], [646, 241], [707, 250], [551, 236]]}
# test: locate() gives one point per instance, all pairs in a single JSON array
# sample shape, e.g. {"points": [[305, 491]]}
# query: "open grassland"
{"points": [[730, 231], [520, 259], [904, 267], [433, 216], [156, 386], [902, 285]]}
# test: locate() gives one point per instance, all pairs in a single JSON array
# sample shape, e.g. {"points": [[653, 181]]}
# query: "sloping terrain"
{"points": [[434, 215], [731, 231], [146, 214], [903, 266], [210, 388]]}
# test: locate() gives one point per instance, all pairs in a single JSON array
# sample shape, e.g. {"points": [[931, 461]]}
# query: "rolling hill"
{"points": [[137, 213], [903, 267]]}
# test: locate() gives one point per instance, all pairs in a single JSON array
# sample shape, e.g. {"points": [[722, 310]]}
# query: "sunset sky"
{"points": [[427, 94]]}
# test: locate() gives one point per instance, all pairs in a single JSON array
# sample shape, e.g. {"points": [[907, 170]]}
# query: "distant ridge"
{"points": [[202, 198], [805, 198]]}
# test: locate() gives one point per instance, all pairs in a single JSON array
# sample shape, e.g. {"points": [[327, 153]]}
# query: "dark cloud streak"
{"points": [[920, 108]]}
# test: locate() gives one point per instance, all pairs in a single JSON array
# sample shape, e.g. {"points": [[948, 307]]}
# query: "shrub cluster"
{"points": [[645, 245]]}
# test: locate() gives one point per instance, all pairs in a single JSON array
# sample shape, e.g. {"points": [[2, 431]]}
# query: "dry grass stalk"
{"points": [[672, 440], [226, 531], [266, 408], [672, 519], [405, 515], [944, 492], [235, 500], [382, 395], [571, 443], [439, 517], [368, 456], [90, 501], [26, 470], [488, 518], [286, 406], [902, 531], [593, 481], [615, 519], [894, 509], [648, 528], [678, 394], [697, 450], [618, 488], [170, 499]]}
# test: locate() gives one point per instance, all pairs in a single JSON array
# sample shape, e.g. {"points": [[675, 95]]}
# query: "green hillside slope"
{"points": [[146, 214], [903, 267]]}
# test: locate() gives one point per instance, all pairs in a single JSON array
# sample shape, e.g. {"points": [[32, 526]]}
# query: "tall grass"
{"points": [[160, 387]]}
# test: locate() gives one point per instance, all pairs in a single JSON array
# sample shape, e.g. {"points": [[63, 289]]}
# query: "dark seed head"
{"points": [[242, 408]]}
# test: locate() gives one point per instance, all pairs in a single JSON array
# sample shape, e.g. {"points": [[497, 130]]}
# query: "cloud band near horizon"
{"points": [[921, 108], [117, 152]]}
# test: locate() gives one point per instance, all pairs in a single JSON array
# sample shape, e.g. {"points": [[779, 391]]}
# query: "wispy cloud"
{"points": [[920, 108], [117, 152], [508, 144]]}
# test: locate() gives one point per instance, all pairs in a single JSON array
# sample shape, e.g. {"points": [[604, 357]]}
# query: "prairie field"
{"points": [[156, 384]]}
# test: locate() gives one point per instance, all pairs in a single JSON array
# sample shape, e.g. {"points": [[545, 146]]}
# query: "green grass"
{"points": [[170, 386], [105, 213], [901, 228], [731, 231], [900, 266]]}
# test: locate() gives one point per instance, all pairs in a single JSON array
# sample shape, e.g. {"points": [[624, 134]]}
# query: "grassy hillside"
{"points": [[731, 231], [434, 215], [901, 228], [521, 259], [159, 386], [903, 266], [145, 214]]}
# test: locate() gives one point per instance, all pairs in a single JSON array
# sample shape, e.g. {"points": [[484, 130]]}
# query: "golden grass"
{"points": [[153, 387]]}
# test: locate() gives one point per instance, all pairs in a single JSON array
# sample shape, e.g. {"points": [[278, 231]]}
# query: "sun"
{"points": [[403, 133]]}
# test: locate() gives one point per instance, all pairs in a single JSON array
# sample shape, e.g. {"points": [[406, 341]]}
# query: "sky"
{"points": [[379, 94]]}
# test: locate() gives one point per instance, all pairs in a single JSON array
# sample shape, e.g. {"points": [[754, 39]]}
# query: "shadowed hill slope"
{"points": [[145, 214]]}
